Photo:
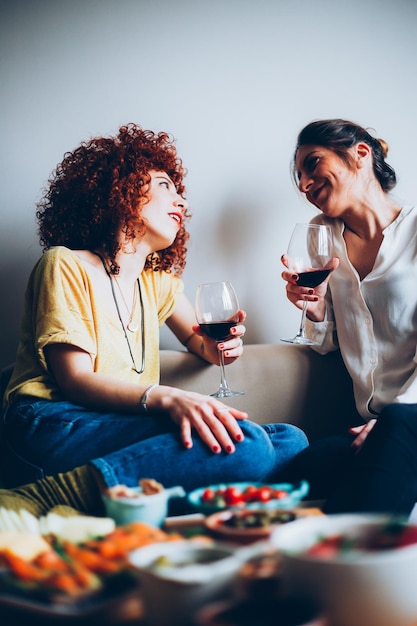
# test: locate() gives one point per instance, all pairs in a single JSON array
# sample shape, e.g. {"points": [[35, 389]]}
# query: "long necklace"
{"points": [[131, 326], [142, 317]]}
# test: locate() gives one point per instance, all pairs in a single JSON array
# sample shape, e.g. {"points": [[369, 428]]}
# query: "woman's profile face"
{"points": [[326, 180], [163, 212]]}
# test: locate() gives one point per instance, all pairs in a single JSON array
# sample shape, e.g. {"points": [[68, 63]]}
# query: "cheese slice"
{"points": [[77, 528], [23, 544]]}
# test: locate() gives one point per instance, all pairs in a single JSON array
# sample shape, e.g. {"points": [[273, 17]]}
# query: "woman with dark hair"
{"points": [[85, 390], [367, 309]]}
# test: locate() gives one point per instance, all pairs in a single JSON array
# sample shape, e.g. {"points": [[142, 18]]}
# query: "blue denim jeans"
{"points": [[58, 436]]}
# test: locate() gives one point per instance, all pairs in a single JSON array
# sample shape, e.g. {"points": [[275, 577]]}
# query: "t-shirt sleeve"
{"points": [[62, 303], [170, 286]]}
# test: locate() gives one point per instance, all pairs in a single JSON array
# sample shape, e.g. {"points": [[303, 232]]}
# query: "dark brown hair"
{"points": [[100, 188], [340, 135]]}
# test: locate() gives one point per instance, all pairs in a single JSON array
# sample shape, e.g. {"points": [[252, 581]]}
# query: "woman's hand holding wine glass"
{"points": [[310, 261], [217, 311]]}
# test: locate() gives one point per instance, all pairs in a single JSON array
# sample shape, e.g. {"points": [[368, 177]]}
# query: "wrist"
{"points": [[143, 402]]}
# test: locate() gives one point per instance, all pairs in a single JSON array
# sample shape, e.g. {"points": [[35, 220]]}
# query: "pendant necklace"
{"points": [[133, 327]]}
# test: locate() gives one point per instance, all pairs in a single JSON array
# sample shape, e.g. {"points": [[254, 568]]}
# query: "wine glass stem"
{"points": [[223, 382], [302, 330]]}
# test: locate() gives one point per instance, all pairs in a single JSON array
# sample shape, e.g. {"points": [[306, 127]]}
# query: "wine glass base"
{"points": [[226, 393], [303, 341]]}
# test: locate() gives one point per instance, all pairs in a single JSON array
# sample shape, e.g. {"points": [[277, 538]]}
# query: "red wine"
{"points": [[218, 330], [312, 278]]}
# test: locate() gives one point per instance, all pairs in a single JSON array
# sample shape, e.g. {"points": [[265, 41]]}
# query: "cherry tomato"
{"points": [[407, 537], [250, 493], [233, 496], [327, 548], [263, 494], [280, 493], [208, 495]]}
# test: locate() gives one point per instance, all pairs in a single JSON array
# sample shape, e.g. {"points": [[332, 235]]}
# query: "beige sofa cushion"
{"points": [[282, 383]]}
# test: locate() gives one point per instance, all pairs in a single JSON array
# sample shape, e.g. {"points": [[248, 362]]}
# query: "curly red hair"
{"points": [[100, 187]]}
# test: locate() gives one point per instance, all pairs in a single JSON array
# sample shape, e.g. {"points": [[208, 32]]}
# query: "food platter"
{"points": [[68, 580]]}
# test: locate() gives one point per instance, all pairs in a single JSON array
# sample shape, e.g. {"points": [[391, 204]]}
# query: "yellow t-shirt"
{"points": [[61, 307]]}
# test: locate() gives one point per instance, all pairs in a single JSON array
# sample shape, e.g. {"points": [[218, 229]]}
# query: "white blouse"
{"points": [[374, 321]]}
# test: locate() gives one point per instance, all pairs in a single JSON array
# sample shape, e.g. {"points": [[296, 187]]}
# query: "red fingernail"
{"points": [[233, 331], [229, 448], [188, 444], [216, 449], [239, 437], [226, 354], [221, 346]]}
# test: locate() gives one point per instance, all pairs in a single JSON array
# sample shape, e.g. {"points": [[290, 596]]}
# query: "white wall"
{"points": [[234, 81]]}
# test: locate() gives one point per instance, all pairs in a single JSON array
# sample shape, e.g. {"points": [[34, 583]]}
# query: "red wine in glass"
{"points": [[313, 278], [220, 331], [309, 254], [216, 308]]}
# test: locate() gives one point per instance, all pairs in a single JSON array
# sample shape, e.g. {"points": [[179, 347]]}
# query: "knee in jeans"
{"points": [[289, 434]]}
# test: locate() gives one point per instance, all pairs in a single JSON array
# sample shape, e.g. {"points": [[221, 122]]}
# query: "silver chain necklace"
{"points": [[142, 317]]}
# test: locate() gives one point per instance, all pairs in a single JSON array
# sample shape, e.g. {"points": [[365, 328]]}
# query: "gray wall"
{"points": [[233, 81]]}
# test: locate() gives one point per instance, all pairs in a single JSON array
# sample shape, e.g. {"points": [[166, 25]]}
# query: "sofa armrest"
{"points": [[282, 383]]}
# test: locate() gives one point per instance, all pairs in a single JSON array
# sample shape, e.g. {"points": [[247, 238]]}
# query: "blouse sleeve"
{"points": [[324, 333]]}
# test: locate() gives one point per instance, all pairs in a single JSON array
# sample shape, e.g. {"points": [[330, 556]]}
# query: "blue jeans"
{"points": [[58, 436]]}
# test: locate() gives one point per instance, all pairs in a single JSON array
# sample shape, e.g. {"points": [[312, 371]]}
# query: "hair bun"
{"points": [[384, 147]]}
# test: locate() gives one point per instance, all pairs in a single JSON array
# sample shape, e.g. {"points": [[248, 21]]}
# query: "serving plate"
{"points": [[96, 606], [296, 492], [219, 524]]}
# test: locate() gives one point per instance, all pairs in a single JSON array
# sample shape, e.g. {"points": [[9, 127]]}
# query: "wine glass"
{"points": [[309, 254], [216, 308]]}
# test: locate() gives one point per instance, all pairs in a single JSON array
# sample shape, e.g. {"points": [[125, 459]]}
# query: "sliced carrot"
{"points": [[50, 560], [24, 570], [90, 559], [64, 581]]}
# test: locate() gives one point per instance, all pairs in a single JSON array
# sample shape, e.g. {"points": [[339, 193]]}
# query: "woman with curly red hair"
{"points": [[85, 390]]}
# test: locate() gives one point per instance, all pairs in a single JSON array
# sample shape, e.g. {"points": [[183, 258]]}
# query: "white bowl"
{"points": [[191, 576], [151, 509], [360, 589]]}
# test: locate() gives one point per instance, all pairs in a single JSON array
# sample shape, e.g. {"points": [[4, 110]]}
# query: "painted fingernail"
{"points": [[239, 437], [188, 444], [310, 291], [229, 448], [216, 449], [221, 346], [226, 354], [233, 331]]}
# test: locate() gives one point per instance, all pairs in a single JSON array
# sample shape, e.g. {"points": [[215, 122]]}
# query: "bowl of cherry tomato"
{"points": [[247, 495]]}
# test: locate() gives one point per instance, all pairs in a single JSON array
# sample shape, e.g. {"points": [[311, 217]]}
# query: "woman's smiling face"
{"points": [[326, 179]]}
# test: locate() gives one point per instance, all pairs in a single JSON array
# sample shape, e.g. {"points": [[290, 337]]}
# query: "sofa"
{"points": [[282, 383]]}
